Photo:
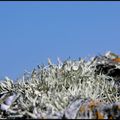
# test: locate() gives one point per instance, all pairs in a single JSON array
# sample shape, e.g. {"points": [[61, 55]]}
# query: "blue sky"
{"points": [[30, 32]]}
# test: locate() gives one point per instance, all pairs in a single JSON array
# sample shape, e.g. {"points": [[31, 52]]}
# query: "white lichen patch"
{"points": [[48, 91]]}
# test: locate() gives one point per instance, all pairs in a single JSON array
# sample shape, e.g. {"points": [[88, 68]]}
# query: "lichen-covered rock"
{"points": [[81, 89]]}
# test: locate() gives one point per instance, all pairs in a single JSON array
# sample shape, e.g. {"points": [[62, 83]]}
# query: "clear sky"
{"points": [[30, 32]]}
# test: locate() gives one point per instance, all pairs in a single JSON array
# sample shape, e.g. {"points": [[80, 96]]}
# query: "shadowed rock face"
{"points": [[107, 69], [107, 65]]}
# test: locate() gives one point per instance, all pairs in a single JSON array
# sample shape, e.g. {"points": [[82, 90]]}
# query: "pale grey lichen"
{"points": [[48, 91]]}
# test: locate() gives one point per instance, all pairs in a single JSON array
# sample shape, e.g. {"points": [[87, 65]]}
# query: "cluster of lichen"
{"points": [[48, 90]]}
